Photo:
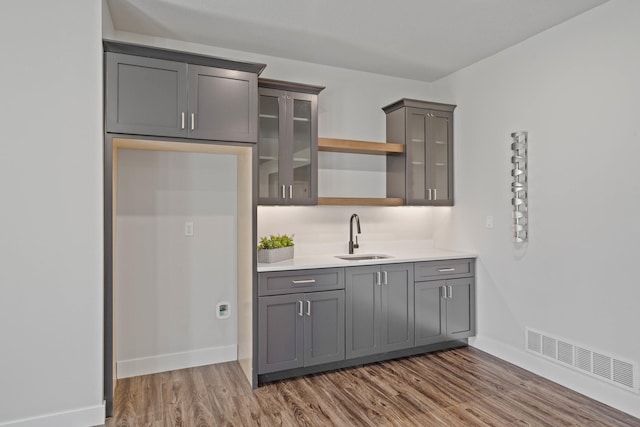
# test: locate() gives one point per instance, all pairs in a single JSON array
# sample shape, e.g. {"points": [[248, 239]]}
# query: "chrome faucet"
{"points": [[352, 245]]}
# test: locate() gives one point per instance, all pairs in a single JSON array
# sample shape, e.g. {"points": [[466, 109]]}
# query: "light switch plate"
{"points": [[188, 228], [489, 221]]}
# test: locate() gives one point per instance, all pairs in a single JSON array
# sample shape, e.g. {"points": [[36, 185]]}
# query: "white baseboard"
{"points": [[610, 395], [173, 361], [84, 417]]}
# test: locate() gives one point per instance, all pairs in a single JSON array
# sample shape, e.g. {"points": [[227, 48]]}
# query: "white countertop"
{"points": [[398, 254]]}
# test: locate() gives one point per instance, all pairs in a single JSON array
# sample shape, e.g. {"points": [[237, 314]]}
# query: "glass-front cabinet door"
{"points": [[416, 156], [429, 159], [423, 175], [287, 147], [269, 145], [440, 174], [302, 190]]}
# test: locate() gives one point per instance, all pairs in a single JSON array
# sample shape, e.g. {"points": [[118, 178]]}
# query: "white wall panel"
{"points": [[575, 89]]}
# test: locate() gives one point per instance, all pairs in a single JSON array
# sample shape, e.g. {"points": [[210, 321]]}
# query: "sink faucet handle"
{"points": [[356, 245]]}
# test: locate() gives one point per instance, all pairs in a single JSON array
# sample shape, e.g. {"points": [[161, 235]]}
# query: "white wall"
{"points": [[575, 89], [167, 284], [51, 239], [319, 229]]}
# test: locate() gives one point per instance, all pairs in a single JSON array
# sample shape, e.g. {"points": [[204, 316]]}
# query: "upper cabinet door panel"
{"points": [[146, 96], [304, 148], [416, 156], [223, 104], [423, 175], [271, 153], [287, 146], [441, 156]]}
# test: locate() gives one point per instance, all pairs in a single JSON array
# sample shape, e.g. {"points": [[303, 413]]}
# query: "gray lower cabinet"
{"points": [[321, 316], [444, 310], [150, 96], [379, 309], [299, 330]]}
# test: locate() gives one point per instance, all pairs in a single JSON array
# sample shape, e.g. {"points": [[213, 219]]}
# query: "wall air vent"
{"points": [[614, 370]]}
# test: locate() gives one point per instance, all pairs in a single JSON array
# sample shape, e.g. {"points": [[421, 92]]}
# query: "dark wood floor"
{"points": [[463, 387]]}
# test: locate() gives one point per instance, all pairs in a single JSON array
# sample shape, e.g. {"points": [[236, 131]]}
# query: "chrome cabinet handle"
{"points": [[386, 277], [302, 282], [450, 291], [435, 194], [182, 120], [299, 308], [308, 308], [443, 292], [291, 191], [378, 281], [284, 196], [444, 270], [193, 121], [429, 194]]}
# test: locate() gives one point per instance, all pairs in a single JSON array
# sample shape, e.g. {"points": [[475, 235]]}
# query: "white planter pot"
{"points": [[275, 255]]}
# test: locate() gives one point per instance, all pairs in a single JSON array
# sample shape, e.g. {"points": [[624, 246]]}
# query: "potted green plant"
{"points": [[275, 248]]}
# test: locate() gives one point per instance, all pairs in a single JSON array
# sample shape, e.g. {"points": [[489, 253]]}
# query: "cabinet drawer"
{"points": [[437, 269], [286, 282]]}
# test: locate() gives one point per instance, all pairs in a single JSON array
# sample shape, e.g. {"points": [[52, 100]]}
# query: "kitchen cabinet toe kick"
{"points": [[349, 363]]}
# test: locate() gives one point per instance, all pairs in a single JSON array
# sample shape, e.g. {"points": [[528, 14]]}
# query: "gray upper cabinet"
{"points": [[146, 96], [223, 104], [379, 309], [166, 93], [298, 330], [444, 310], [423, 175], [288, 143]]}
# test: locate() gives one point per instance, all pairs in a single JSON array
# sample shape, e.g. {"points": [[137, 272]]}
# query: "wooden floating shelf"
{"points": [[359, 147], [360, 201]]}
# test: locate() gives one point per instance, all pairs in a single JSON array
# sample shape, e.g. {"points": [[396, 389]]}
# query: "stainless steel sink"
{"points": [[363, 257]]}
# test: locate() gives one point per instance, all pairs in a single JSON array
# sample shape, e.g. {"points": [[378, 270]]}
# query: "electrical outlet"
{"points": [[489, 221], [188, 228], [223, 310]]}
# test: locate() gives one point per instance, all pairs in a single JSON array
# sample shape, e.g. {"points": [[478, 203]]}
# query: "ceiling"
{"points": [[416, 39]]}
